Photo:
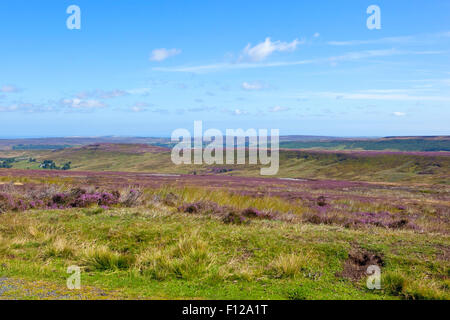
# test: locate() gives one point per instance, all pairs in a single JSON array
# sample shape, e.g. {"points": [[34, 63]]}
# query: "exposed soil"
{"points": [[358, 261]]}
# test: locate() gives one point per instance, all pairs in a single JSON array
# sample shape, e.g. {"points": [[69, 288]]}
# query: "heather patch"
{"points": [[23, 199], [226, 213], [361, 219]]}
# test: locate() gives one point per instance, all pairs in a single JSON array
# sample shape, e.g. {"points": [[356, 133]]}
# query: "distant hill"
{"points": [[381, 144], [412, 143], [386, 166]]}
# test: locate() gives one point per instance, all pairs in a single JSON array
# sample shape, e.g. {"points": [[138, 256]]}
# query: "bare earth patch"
{"points": [[358, 261]]}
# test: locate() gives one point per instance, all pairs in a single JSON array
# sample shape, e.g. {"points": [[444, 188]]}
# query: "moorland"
{"points": [[140, 227]]}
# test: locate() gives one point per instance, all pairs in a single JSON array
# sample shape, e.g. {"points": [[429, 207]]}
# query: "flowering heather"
{"points": [[75, 198], [338, 202]]}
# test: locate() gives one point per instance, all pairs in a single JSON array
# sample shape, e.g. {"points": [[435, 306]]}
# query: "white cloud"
{"points": [[139, 91], [101, 94], [10, 108], [9, 89], [399, 114], [139, 107], [238, 112], [162, 54], [264, 49], [249, 86], [316, 35], [412, 39], [387, 40], [278, 109], [26, 107], [388, 95], [77, 103]]}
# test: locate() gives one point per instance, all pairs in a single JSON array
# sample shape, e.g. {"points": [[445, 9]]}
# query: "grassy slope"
{"points": [[296, 164], [157, 253]]}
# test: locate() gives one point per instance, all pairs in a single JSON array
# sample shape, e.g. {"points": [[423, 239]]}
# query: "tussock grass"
{"points": [[399, 284], [187, 258], [60, 248], [294, 265], [161, 253], [227, 198], [103, 259]]}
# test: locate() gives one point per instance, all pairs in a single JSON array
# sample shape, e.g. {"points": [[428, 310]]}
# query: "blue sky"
{"points": [[145, 68]]}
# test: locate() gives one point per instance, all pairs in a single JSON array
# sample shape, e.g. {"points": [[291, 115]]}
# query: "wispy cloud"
{"points": [[202, 109], [101, 94], [388, 95], [9, 89], [26, 108], [139, 91], [264, 49], [140, 107], [411, 39], [77, 103], [399, 114], [387, 40], [252, 86], [162, 54], [237, 112], [278, 109], [350, 56]]}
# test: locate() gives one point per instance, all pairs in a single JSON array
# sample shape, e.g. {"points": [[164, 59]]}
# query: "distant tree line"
{"points": [[51, 165], [6, 162], [40, 147]]}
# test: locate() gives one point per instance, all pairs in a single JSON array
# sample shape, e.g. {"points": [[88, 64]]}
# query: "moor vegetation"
{"points": [[140, 227], [168, 236], [395, 167]]}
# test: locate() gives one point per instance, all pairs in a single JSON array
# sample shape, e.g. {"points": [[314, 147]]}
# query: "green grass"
{"points": [[159, 253]]}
